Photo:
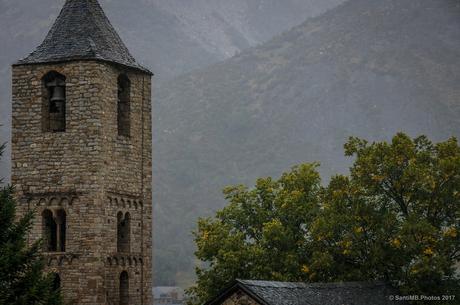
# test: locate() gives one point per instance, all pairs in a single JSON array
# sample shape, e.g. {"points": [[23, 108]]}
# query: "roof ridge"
{"points": [[92, 44], [318, 285]]}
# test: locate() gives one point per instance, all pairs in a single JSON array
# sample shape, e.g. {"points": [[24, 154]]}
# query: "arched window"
{"points": [[49, 231], [123, 108], [54, 102], [56, 282], [123, 232], [124, 288], [54, 230], [61, 222]]}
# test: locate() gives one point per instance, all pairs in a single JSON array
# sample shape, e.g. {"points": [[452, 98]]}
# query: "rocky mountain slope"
{"points": [[170, 37], [367, 68]]}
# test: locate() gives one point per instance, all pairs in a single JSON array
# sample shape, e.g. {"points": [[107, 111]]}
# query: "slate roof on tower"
{"points": [[82, 31]]}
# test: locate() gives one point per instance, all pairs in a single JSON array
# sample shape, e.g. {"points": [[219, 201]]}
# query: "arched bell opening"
{"points": [[49, 231], [54, 102], [124, 106], [54, 227]]}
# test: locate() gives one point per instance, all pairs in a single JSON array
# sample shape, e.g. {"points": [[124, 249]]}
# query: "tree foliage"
{"points": [[395, 217], [22, 277], [260, 234]]}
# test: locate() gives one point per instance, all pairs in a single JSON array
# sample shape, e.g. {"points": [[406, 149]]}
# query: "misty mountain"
{"points": [[169, 36], [367, 68]]}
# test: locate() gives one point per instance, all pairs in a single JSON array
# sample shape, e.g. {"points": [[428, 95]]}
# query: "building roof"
{"points": [[82, 31], [282, 293], [159, 291]]}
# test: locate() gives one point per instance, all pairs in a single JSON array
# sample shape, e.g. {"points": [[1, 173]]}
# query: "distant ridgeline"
{"points": [[170, 37], [366, 68]]}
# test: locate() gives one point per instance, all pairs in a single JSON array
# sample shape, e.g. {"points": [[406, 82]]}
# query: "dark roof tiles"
{"points": [[275, 293], [82, 31], [282, 293]]}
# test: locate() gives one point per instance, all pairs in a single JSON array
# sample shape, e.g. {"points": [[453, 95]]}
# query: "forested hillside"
{"points": [[365, 68]]}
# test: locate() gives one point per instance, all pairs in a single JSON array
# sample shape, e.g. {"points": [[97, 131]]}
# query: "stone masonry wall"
{"points": [[128, 174], [91, 173]]}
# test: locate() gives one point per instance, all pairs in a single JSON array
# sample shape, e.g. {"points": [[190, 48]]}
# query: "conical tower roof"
{"points": [[82, 32]]}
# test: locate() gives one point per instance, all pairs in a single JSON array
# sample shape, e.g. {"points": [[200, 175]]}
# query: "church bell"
{"points": [[58, 94], [56, 106]]}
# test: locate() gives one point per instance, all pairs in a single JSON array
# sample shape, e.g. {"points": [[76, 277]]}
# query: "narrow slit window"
{"points": [[124, 288], [123, 232], [124, 106], [56, 282]]}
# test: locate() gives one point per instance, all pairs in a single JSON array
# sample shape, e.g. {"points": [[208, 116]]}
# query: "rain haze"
{"points": [[248, 88]]}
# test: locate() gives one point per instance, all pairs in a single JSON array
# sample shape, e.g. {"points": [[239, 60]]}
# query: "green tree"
{"points": [[22, 277], [395, 218], [261, 234]]}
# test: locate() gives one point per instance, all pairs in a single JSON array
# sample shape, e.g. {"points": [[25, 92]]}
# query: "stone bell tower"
{"points": [[81, 158]]}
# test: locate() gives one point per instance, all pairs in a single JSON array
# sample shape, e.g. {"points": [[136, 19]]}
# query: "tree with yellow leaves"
{"points": [[261, 234], [395, 218]]}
